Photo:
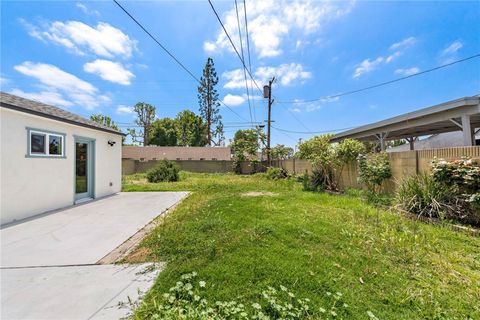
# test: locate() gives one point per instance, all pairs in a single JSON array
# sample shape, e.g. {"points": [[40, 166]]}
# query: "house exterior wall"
{"points": [[30, 186]]}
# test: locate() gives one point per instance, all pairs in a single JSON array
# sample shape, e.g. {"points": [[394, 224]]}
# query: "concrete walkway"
{"points": [[49, 264], [82, 234], [76, 292]]}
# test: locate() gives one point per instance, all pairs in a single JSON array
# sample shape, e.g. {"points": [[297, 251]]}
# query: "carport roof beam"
{"points": [[432, 120]]}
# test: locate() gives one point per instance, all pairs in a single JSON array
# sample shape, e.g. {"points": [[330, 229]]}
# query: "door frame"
{"points": [[90, 194]]}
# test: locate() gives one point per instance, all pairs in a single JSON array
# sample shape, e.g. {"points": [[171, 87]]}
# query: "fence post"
{"points": [[417, 165]]}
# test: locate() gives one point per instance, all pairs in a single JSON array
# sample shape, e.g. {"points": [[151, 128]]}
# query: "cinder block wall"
{"points": [[130, 166]]}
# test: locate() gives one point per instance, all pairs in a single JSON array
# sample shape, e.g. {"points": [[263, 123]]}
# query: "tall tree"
{"points": [[104, 121], [246, 144], [191, 129], [209, 104], [281, 152], [164, 132], [145, 117]]}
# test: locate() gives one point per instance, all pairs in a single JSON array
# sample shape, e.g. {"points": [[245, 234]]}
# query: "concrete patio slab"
{"points": [[82, 234], [76, 292]]}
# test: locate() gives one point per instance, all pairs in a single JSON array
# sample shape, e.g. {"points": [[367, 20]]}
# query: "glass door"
{"points": [[83, 170]]}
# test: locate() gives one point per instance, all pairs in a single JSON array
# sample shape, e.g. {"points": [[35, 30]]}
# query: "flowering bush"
{"points": [[464, 177], [464, 174], [185, 301], [373, 170], [452, 191]]}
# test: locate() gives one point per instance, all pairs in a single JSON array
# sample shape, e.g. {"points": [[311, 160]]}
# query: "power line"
{"points": [[314, 132], [383, 83], [233, 45], [170, 54], [248, 51], [286, 135], [243, 58], [297, 119]]}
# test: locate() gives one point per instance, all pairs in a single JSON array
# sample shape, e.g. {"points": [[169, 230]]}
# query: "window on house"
{"points": [[202, 158], [46, 144], [214, 158], [178, 159]]}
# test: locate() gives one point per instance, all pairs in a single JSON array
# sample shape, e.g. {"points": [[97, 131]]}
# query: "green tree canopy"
{"points": [[186, 129], [246, 144], [281, 152], [104, 121], [330, 159], [164, 132], [191, 130]]}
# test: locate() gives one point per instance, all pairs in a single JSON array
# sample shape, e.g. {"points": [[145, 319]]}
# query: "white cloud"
{"points": [[405, 43], [110, 71], [103, 39], [47, 97], [87, 11], [234, 100], [366, 66], [310, 106], [3, 81], [270, 22], [285, 73], [407, 72], [369, 65], [452, 48], [58, 82], [121, 109], [209, 47]]}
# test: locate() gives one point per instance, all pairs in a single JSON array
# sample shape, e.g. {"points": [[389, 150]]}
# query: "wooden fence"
{"points": [[403, 164]]}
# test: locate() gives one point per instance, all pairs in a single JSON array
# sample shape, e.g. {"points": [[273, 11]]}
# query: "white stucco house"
{"points": [[52, 158]]}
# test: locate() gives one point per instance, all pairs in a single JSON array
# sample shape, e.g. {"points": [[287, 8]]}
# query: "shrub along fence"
{"points": [[403, 164], [130, 166]]}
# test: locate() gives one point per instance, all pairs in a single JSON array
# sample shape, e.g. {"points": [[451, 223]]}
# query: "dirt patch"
{"points": [[140, 255], [142, 181], [258, 194]]}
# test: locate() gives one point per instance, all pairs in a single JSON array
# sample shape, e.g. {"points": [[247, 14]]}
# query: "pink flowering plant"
{"points": [[463, 176]]}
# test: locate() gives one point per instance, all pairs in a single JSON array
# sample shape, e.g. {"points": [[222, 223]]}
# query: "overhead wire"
{"points": [[171, 54], [243, 58], [233, 45], [248, 52], [382, 83]]}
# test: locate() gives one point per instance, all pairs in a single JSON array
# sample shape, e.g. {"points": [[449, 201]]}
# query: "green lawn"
{"points": [[312, 243]]}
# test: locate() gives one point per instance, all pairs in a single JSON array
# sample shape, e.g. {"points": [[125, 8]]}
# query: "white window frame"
{"points": [[47, 135]]}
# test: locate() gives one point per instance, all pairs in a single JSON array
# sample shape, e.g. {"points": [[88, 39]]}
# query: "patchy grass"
{"points": [[312, 243]]}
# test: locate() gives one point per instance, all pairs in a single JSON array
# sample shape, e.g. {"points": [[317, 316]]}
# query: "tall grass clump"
{"points": [[276, 173], [164, 171], [423, 195]]}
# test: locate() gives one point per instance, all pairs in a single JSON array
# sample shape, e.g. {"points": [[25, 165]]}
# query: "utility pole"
{"points": [[267, 93]]}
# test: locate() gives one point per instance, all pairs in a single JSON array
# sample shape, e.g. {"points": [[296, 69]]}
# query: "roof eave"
{"points": [[48, 116]]}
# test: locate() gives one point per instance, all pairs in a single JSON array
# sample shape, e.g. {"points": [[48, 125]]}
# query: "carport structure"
{"points": [[457, 115]]}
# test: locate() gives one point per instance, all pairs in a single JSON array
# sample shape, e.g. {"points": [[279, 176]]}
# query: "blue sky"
{"points": [[89, 57]]}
